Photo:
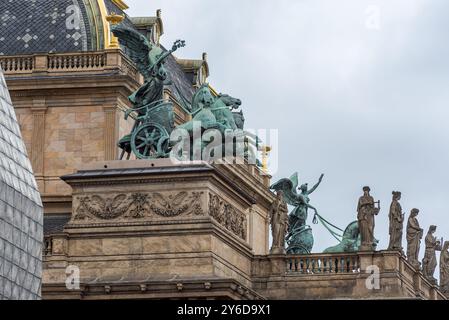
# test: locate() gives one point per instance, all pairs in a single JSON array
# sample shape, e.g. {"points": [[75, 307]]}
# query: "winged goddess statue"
{"points": [[149, 60], [299, 237], [149, 137]]}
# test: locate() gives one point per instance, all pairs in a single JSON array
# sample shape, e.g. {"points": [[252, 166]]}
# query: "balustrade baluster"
{"points": [[326, 264], [314, 265]]}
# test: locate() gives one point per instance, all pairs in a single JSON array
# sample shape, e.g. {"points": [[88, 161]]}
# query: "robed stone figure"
{"points": [[429, 262], [366, 211], [396, 223], [444, 269], [414, 236], [279, 223]]}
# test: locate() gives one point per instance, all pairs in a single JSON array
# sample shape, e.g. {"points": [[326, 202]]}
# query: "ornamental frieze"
{"points": [[227, 216], [137, 206]]}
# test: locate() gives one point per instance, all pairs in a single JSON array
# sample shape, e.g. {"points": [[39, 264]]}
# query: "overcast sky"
{"points": [[358, 90]]}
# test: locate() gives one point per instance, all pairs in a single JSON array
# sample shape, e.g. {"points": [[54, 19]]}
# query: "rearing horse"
{"points": [[222, 110], [202, 104]]}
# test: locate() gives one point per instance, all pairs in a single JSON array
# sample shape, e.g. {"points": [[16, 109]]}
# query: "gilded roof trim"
{"points": [[121, 4]]}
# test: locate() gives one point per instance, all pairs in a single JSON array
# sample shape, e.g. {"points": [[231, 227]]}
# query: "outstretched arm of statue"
{"points": [[316, 185]]}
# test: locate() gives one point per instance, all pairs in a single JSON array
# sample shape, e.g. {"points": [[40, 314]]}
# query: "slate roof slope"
{"points": [[180, 79]]}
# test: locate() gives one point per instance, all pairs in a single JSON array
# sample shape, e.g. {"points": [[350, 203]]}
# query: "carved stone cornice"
{"points": [[150, 175], [149, 288]]}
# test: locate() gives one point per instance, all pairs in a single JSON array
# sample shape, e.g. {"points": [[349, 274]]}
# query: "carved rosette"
{"points": [[137, 206], [227, 216]]}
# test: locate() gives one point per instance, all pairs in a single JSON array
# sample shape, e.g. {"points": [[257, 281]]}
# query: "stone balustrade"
{"points": [[358, 275], [99, 61], [17, 64], [90, 60], [323, 264]]}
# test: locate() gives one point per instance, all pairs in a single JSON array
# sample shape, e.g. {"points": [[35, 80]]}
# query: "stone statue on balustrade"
{"points": [[279, 223], [396, 223], [429, 262], [444, 269], [366, 210], [414, 236], [299, 237]]}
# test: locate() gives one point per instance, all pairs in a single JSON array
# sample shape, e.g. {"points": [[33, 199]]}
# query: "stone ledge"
{"points": [[181, 288]]}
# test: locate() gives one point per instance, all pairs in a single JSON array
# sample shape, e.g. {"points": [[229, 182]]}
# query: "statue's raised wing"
{"points": [[287, 187], [295, 181], [138, 47]]}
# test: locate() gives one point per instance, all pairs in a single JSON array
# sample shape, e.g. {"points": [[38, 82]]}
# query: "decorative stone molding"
{"points": [[137, 206], [226, 215]]}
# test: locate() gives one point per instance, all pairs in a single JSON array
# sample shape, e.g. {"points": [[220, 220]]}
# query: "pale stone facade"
{"points": [[141, 222]]}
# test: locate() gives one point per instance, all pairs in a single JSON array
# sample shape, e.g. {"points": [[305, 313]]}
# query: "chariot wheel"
{"points": [[149, 141]]}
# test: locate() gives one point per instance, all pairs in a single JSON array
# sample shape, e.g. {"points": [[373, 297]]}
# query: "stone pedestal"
{"points": [[141, 223]]}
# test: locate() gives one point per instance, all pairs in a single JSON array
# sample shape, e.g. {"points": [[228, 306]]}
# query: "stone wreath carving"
{"points": [[138, 206], [226, 215]]}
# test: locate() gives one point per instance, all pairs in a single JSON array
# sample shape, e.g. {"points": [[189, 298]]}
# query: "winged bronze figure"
{"points": [[154, 120], [149, 60], [299, 237]]}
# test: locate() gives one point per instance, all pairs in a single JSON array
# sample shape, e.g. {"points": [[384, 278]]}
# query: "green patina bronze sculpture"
{"points": [[154, 116], [350, 240], [299, 237], [150, 136], [211, 112]]}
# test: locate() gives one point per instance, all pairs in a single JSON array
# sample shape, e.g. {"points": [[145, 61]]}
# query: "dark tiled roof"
{"points": [[55, 223], [179, 79], [33, 26]]}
